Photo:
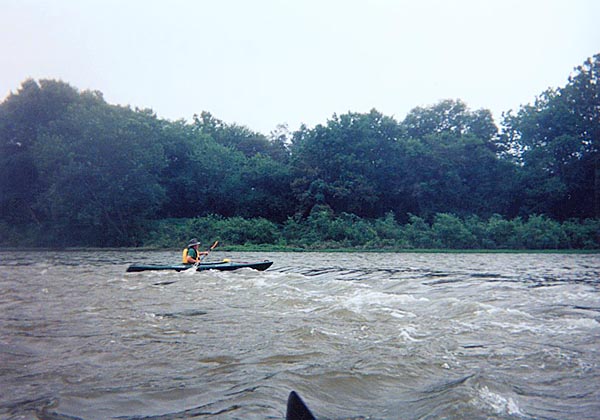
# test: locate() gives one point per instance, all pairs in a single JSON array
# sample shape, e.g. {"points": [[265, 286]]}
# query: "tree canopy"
{"points": [[85, 172], [555, 141]]}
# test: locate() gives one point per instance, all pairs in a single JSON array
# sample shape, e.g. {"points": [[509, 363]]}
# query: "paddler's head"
{"points": [[193, 243]]}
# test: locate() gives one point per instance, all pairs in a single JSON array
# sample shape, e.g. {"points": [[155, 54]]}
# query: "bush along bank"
{"points": [[324, 230]]}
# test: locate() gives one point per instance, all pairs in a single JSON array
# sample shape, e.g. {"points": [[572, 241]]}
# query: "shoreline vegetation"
{"points": [[323, 231], [76, 171], [265, 249]]}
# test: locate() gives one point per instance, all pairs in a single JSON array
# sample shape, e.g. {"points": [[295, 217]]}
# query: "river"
{"points": [[357, 335]]}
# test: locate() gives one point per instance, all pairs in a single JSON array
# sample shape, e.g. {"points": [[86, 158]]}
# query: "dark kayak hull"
{"points": [[221, 266]]}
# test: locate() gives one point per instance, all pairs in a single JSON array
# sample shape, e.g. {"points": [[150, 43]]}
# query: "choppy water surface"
{"points": [[380, 336]]}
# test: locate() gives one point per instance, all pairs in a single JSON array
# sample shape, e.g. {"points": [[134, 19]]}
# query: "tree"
{"points": [[200, 177], [347, 163], [583, 93], [451, 117], [556, 142], [22, 116], [461, 175], [455, 162], [266, 189], [99, 167], [238, 137]]}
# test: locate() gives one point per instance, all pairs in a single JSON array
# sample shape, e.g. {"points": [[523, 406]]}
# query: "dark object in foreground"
{"points": [[296, 409], [221, 266]]}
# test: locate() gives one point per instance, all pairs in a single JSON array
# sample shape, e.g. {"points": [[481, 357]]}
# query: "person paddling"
{"points": [[191, 254]]}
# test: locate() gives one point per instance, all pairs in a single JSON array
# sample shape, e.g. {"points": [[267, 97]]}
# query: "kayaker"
{"points": [[191, 254]]}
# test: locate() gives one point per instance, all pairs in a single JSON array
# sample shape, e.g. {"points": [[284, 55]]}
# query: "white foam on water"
{"points": [[189, 271], [405, 333], [363, 300], [549, 326], [581, 324], [495, 311], [498, 403], [521, 327], [394, 313]]}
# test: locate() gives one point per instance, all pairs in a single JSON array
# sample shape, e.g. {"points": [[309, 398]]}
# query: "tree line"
{"points": [[78, 171]]}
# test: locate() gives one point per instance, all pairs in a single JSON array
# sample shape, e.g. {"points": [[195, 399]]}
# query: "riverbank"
{"points": [[283, 249]]}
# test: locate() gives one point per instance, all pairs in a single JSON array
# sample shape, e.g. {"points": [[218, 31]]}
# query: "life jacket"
{"points": [[184, 256]]}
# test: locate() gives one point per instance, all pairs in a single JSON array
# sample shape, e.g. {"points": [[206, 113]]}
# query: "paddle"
{"points": [[207, 252]]}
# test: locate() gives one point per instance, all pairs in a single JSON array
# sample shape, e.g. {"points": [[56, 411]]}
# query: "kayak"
{"points": [[221, 266]]}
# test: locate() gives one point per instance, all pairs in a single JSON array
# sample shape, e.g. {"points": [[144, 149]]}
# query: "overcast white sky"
{"points": [[261, 63]]}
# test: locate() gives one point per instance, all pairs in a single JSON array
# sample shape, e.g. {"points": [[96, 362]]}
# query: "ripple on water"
{"points": [[382, 336]]}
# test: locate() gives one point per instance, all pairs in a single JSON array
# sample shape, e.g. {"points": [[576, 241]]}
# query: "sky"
{"points": [[263, 63]]}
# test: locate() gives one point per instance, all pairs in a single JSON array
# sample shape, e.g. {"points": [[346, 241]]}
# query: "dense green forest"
{"points": [[77, 171]]}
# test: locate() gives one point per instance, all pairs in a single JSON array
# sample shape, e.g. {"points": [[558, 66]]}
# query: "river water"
{"points": [[378, 336]]}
